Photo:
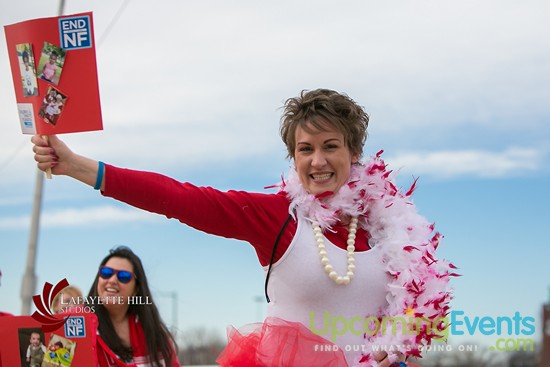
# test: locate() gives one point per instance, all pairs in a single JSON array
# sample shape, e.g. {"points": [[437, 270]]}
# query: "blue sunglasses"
{"points": [[123, 276]]}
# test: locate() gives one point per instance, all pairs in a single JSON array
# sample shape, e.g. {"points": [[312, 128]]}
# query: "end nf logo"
{"points": [[75, 32], [75, 327]]}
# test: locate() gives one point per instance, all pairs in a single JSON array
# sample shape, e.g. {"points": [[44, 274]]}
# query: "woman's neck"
{"points": [[120, 324]]}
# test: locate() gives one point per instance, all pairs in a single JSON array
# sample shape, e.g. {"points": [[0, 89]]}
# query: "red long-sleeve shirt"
{"points": [[256, 218]]}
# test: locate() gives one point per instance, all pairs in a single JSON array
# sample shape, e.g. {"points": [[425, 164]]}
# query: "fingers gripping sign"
{"points": [[48, 171]]}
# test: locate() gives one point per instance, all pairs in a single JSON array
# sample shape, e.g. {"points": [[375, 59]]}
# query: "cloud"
{"points": [[72, 217], [469, 163], [195, 87]]}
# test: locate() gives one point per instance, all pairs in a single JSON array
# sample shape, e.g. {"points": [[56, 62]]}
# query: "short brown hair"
{"points": [[322, 109]]}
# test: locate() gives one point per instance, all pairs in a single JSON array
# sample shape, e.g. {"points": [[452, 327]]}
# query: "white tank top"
{"points": [[301, 291]]}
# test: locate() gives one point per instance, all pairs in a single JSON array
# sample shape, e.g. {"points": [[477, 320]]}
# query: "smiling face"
{"points": [[322, 159], [35, 339], [112, 287]]}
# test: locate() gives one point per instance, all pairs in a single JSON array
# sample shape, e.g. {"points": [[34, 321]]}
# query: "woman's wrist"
{"points": [[99, 176], [86, 170]]}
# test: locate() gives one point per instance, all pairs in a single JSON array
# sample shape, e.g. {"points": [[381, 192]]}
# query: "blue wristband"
{"points": [[99, 178]]}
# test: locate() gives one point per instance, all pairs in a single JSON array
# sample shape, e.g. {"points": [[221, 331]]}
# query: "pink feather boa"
{"points": [[420, 281]]}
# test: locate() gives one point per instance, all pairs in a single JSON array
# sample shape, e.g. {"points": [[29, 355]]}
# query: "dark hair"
{"points": [[321, 109], [157, 337]]}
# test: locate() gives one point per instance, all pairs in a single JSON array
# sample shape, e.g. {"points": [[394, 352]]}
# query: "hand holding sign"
{"points": [[53, 154], [54, 74]]}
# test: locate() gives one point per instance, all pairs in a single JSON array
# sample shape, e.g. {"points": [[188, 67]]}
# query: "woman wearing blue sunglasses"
{"points": [[130, 333], [341, 246]]}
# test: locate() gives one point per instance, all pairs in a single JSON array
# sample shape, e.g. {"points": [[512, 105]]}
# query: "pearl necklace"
{"points": [[332, 274]]}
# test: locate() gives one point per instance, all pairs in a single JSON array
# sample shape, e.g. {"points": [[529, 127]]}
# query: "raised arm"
{"points": [[52, 153]]}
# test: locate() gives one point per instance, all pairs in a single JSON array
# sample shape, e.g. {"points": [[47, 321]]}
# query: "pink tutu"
{"points": [[279, 343]]}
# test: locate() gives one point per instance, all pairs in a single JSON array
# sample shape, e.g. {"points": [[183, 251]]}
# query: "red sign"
{"points": [[24, 342], [53, 65]]}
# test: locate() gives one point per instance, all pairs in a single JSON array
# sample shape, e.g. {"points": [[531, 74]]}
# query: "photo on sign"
{"points": [[31, 347], [52, 106], [60, 352], [51, 63], [28, 69]]}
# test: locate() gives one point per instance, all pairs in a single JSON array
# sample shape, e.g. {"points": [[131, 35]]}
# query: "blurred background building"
{"points": [[545, 349]]}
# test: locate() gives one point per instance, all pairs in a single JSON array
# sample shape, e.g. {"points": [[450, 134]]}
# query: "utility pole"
{"points": [[174, 297], [28, 286], [259, 302], [545, 350]]}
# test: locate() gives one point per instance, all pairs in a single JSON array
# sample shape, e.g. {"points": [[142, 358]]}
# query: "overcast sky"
{"points": [[458, 93]]}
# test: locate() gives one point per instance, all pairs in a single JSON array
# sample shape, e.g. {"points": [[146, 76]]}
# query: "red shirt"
{"points": [[255, 218], [107, 358]]}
